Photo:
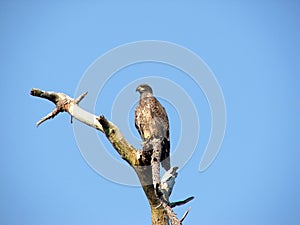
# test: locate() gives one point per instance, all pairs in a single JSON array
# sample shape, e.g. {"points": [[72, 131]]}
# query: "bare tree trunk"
{"points": [[140, 161], [159, 216]]}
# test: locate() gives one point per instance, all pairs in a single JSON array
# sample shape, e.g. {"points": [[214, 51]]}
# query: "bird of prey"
{"points": [[151, 121]]}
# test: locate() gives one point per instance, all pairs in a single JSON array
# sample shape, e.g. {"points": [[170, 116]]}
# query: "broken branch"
{"points": [[65, 103], [139, 160], [179, 203], [184, 215]]}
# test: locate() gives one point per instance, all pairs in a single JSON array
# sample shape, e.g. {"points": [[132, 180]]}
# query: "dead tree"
{"points": [[140, 161]]}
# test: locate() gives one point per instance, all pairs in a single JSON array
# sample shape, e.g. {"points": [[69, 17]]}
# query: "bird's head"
{"points": [[144, 88]]}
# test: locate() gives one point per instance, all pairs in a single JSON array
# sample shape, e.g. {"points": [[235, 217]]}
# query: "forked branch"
{"points": [[137, 159]]}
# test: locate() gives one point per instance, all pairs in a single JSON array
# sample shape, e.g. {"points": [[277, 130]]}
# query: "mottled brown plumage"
{"points": [[151, 121]]}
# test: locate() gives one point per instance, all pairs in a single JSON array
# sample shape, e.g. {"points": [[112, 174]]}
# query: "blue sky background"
{"points": [[252, 48]]}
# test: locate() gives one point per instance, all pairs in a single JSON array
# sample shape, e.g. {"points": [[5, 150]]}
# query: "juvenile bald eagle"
{"points": [[151, 121]]}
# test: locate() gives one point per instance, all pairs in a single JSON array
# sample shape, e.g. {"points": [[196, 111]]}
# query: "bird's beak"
{"points": [[137, 89]]}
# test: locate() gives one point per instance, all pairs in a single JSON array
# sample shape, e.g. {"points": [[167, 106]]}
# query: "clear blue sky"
{"points": [[252, 48]]}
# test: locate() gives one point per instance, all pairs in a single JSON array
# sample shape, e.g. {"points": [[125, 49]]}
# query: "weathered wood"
{"points": [[139, 160]]}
